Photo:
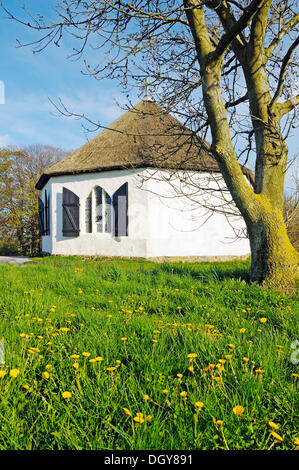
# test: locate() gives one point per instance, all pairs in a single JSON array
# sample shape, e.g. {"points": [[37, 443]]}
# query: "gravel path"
{"points": [[18, 260]]}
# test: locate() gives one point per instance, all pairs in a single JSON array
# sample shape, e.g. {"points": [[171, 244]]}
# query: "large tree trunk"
{"points": [[274, 261]]}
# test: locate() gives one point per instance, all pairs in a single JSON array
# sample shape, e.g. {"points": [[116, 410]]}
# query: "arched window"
{"points": [[98, 211]]}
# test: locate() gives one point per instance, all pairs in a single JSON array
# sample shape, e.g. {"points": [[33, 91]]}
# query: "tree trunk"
{"points": [[274, 261]]}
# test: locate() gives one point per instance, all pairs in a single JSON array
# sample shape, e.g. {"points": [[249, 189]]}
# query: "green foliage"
{"points": [[8, 248], [138, 321]]}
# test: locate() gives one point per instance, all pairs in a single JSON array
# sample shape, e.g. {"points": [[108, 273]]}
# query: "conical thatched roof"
{"points": [[144, 137]]}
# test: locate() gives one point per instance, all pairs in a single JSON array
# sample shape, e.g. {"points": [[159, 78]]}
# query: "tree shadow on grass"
{"points": [[206, 272]]}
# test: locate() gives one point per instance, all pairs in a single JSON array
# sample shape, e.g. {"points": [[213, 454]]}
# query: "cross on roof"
{"points": [[147, 85]]}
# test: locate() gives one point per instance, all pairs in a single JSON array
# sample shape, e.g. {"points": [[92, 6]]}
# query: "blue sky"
{"points": [[28, 117]]}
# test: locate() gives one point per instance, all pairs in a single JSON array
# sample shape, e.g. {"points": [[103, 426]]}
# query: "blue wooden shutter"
{"points": [[41, 219], [47, 213], [120, 207], [70, 213]]}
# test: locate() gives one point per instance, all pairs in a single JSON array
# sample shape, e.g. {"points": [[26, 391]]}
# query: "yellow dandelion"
{"points": [[231, 346], [99, 359], [123, 338], [86, 354], [294, 374], [146, 397], [2, 373], [92, 361], [273, 425], [66, 395], [75, 356], [111, 369], [296, 441], [165, 391], [127, 412], [14, 373], [259, 371], [199, 404], [45, 375], [242, 330], [76, 365], [149, 418], [263, 320], [183, 394], [277, 436], [238, 410], [245, 359], [228, 357], [179, 376], [49, 366], [192, 356]]}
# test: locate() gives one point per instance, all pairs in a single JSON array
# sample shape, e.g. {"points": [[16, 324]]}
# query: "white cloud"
{"points": [[6, 140]]}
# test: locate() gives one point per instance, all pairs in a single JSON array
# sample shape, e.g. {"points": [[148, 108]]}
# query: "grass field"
{"points": [[137, 355]]}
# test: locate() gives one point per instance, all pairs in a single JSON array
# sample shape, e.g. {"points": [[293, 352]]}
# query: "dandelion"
{"points": [[259, 371], [14, 373], [231, 346], [242, 330], [179, 376], [123, 338], [111, 369], [86, 354], [127, 412], [165, 391], [273, 425], [139, 418], [192, 356], [49, 366], [228, 357], [294, 374], [76, 365], [99, 359], [45, 375], [92, 361], [238, 410], [277, 436], [183, 394], [245, 359], [146, 397], [75, 356], [2, 373], [26, 386], [191, 369], [263, 320], [296, 441], [199, 405], [66, 395]]}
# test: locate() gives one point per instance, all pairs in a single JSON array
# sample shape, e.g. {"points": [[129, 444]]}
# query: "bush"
{"points": [[8, 248]]}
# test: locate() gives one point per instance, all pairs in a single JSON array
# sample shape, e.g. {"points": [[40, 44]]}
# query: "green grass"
{"points": [[166, 311]]}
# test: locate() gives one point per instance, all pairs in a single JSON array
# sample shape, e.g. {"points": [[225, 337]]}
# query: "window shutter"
{"points": [[70, 213], [41, 220], [120, 207], [47, 213]]}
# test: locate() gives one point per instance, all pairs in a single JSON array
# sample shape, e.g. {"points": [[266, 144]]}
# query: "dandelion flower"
{"points": [[149, 418], [238, 410], [165, 391], [14, 373], [245, 359], [99, 359], [86, 354], [146, 397], [199, 404], [2, 373], [242, 330], [228, 357], [231, 346], [296, 441], [192, 356], [263, 320], [75, 356], [66, 395], [127, 412], [111, 369], [276, 436], [273, 425], [123, 338], [45, 375], [179, 376], [259, 371], [183, 394], [76, 365], [49, 366]]}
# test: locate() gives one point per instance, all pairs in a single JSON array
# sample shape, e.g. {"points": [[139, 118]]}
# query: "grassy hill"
{"points": [[116, 354]]}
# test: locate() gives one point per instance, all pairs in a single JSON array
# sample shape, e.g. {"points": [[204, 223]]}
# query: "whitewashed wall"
{"points": [[161, 223]]}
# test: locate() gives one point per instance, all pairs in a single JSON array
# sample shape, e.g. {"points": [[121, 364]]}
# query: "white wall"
{"points": [[161, 221]]}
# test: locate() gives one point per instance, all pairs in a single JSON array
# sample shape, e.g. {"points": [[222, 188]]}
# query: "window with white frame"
{"points": [[98, 211]]}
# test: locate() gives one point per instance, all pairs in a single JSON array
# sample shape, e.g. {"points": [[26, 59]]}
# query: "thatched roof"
{"points": [[144, 137]]}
